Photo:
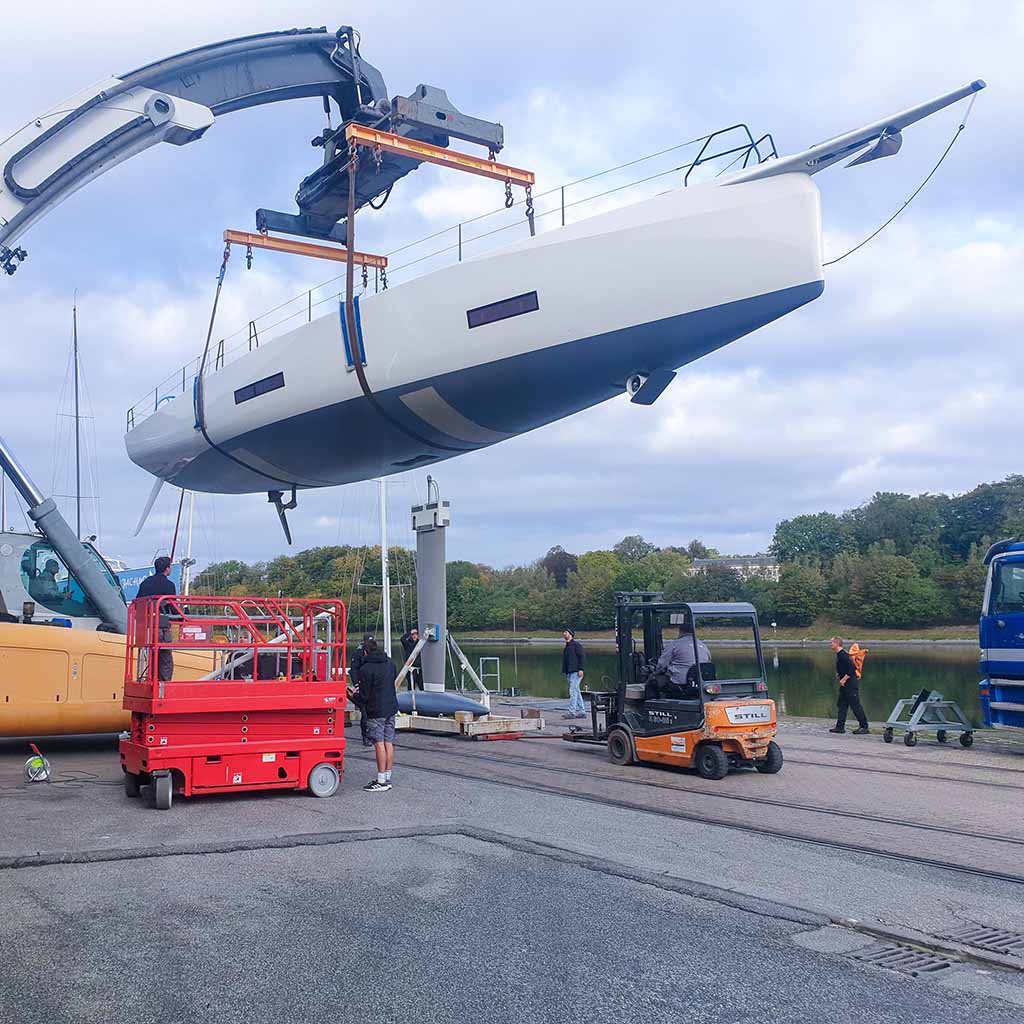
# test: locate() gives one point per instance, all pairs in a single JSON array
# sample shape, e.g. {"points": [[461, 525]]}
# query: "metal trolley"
{"points": [[928, 713], [268, 713]]}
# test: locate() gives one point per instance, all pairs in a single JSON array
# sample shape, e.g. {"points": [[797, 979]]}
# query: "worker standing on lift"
{"points": [[156, 586]]}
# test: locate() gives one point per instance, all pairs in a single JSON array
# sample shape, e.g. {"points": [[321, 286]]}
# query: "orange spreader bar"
{"points": [[431, 154], [321, 252]]}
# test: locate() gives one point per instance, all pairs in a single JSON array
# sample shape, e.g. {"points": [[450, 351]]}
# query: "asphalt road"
{"points": [[458, 896], [438, 929]]}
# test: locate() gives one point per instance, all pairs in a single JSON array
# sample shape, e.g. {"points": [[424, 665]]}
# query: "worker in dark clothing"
{"points": [[156, 586], [409, 641], [353, 690], [849, 690], [573, 661], [377, 676]]}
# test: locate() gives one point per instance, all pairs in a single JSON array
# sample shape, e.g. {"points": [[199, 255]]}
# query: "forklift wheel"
{"points": [[131, 784], [941, 735], [910, 739], [620, 750], [163, 792], [712, 762], [324, 780], [887, 735], [966, 739], [773, 762]]}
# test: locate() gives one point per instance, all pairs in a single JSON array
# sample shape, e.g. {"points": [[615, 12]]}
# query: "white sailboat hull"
{"points": [[644, 288]]}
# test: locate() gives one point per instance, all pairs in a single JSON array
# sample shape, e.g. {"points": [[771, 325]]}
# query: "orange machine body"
{"points": [[747, 741]]}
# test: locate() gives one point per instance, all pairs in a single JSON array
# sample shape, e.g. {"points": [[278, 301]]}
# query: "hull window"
{"points": [[260, 387], [516, 306]]}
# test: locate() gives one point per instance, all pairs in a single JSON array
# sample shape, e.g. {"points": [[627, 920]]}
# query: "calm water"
{"points": [[801, 680]]}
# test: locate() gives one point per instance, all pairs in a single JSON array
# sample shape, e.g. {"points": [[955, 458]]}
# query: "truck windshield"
{"points": [[1008, 588], [49, 583]]}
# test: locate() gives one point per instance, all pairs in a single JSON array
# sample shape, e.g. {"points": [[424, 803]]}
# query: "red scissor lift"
{"points": [[268, 713]]}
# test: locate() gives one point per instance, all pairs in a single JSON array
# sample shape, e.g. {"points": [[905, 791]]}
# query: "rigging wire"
{"points": [[914, 194]]}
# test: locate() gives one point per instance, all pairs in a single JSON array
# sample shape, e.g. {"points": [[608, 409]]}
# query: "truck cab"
{"points": [[1001, 637], [32, 571]]}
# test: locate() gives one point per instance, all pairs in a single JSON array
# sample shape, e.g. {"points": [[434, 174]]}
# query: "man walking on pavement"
{"points": [[377, 676], [155, 586], [573, 660], [849, 690]]}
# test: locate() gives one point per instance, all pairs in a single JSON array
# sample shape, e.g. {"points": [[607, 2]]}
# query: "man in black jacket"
{"points": [[415, 675], [377, 676], [849, 690], [358, 657], [155, 586], [573, 660]]}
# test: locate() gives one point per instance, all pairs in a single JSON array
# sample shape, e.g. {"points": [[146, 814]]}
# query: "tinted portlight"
{"points": [[494, 311]]}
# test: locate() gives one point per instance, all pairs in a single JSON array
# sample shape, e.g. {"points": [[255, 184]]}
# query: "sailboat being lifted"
{"points": [[479, 352]]}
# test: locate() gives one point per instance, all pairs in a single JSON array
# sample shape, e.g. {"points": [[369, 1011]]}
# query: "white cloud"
{"points": [[891, 380]]}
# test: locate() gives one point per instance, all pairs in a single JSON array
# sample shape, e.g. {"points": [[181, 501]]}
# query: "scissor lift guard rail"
{"points": [[267, 715]]}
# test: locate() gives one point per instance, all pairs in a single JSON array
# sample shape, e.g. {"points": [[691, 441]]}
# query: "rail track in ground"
{"points": [[927, 832]]}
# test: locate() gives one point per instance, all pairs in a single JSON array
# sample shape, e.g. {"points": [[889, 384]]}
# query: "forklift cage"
{"points": [[650, 608], [248, 639]]}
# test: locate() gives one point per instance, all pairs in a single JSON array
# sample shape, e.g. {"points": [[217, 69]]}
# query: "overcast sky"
{"points": [[902, 376]]}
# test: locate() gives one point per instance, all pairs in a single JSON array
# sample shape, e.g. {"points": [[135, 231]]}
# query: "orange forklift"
{"points": [[716, 718]]}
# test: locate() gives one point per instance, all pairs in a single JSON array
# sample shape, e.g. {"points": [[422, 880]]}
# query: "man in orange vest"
{"points": [[849, 690]]}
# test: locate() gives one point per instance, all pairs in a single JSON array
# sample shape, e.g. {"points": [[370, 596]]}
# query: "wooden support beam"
{"points": [[296, 248], [431, 154]]}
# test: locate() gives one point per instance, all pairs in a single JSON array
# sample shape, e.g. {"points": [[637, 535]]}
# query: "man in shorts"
{"points": [[377, 675]]}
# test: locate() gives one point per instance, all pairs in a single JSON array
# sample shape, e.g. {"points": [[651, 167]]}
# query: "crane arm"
{"points": [[177, 99]]}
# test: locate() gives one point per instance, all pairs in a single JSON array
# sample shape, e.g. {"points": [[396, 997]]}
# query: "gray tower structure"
{"points": [[430, 521]]}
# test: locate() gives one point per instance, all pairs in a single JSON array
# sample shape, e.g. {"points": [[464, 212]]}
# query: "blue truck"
{"points": [[1001, 637]]}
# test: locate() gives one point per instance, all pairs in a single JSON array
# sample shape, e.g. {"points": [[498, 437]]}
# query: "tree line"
{"points": [[896, 561]]}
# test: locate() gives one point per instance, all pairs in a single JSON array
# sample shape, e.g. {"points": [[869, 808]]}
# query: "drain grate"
{"points": [[995, 939], [903, 958]]}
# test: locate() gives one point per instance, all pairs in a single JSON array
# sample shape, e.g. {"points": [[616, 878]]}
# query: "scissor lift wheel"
{"points": [[163, 791], [131, 784], [324, 780]]}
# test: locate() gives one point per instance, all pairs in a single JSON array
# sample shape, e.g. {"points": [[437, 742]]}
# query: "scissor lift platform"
{"points": [[262, 717]]}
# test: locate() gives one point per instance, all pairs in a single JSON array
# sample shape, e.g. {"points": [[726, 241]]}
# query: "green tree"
{"points": [[633, 548], [886, 590], [799, 595], [590, 601], [818, 538], [963, 587], [698, 549], [989, 511], [713, 583], [558, 563], [904, 521]]}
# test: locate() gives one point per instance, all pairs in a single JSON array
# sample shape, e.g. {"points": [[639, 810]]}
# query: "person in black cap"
{"points": [[573, 660], [409, 641], [358, 657]]}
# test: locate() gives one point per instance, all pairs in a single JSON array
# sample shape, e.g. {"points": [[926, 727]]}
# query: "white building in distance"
{"points": [[744, 566]]}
